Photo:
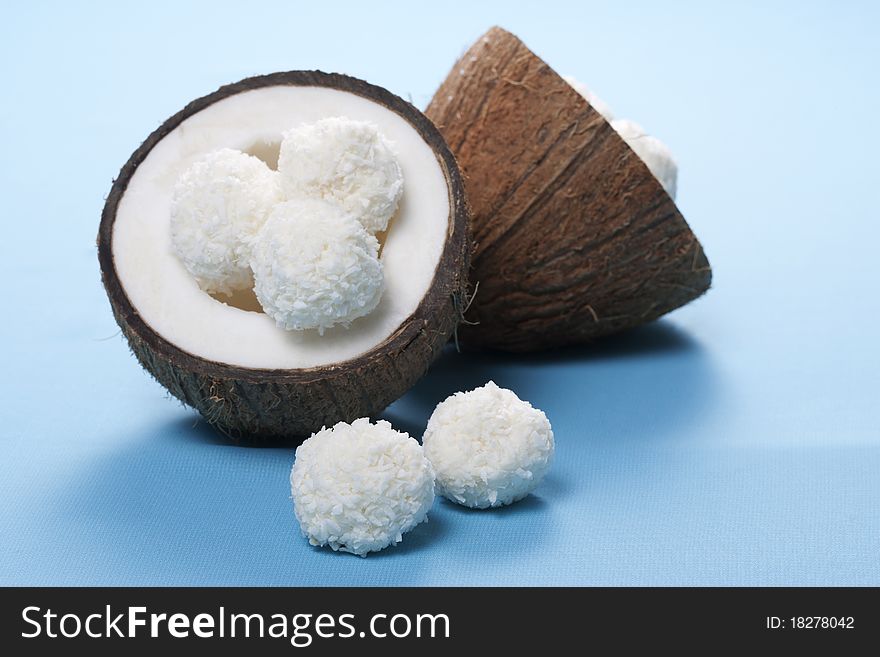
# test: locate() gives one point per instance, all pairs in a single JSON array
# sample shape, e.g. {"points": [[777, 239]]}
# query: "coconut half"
{"points": [[222, 355], [574, 237]]}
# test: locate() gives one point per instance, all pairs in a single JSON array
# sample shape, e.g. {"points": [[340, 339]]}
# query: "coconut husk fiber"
{"points": [[574, 237]]}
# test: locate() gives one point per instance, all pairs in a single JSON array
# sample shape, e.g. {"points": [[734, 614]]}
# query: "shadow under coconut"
{"points": [[613, 404], [651, 380], [658, 337], [197, 429]]}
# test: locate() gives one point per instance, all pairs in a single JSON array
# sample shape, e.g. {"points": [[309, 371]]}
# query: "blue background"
{"points": [[735, 442]]}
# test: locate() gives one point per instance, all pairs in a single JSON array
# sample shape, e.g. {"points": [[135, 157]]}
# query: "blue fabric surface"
{"points": [[735, 442]]}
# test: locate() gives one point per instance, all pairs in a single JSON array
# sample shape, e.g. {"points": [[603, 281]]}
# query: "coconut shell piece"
{"points": [[284, 403], [575, 238]]}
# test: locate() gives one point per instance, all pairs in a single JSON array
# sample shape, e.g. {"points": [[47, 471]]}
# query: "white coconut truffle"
{"points": [[360, 487], [217, 206], [488, 447], [344, 161], [653, 152], [315, 266], [598, 104]]}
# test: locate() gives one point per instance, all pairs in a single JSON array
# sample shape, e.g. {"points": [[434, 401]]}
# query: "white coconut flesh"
{"points": [[589, 95], [653, 152], [170, 300]]}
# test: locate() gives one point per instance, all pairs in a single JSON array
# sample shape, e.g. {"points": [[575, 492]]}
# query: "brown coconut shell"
{"points": [[283, 403], [574, 237]]}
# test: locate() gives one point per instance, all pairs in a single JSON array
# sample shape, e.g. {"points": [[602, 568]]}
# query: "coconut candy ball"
{"points": [[597, 103], [315, 266], [344, 161], [653, 152], [360, 487], [488, 447], [217, 206]]}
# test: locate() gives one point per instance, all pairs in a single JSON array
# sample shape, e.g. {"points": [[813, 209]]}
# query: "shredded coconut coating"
{"points": [[315, 266], [598, 104], [344, 161], [653, 152], [217, 206], [488, 447], [360, 487]]}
